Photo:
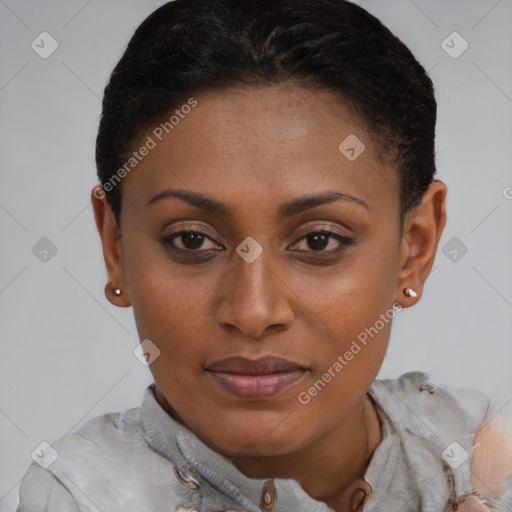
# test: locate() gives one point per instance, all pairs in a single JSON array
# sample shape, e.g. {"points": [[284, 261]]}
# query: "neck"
{"points": [[327, 467]]}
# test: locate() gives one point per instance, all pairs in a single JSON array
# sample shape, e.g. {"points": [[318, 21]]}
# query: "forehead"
{"points": [[240, 142]]}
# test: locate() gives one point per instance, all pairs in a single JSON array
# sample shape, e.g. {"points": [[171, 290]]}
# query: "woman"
{"points": [[267, 207]]}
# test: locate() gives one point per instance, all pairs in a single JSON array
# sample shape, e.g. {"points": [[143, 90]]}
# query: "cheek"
{"points": [[352, 296], [348, 358], [173, 318], [353, 314], [164, 299]]}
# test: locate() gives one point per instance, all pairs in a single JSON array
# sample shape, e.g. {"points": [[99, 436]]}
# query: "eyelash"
{"points": [[345, 242]]}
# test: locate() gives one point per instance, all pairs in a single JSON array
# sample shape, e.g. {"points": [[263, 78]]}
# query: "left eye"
{"points": [[317, 241]]}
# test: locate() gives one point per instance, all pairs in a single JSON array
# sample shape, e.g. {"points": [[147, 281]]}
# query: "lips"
{"points": [[262, 366], [255, 379]]}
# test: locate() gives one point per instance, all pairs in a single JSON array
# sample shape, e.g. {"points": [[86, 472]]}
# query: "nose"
{"points": [[254, 297]]}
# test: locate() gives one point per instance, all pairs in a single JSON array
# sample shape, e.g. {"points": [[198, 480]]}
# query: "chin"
{"points": [[259, 439]]}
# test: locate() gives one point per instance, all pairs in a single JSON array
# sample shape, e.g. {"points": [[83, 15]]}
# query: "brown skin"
{"points": [[255, 149]]}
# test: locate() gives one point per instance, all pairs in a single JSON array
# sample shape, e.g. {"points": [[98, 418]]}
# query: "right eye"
{"points": [[190, 240]]}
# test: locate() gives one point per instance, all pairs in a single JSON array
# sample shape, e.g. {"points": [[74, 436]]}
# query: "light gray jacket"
{"points": [[141, 460]]}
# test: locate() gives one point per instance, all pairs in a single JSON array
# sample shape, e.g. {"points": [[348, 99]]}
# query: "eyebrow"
{"points": [[288, 209]]}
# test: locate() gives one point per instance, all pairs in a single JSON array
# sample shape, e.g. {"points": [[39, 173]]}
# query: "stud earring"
{"points": [[409, 292], [109, 290]]}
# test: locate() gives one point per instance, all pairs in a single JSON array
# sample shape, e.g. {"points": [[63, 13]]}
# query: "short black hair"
{"points": [[188, 46]]}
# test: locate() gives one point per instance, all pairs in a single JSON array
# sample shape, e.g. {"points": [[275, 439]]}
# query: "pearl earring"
{"points": [[409, 292], [110, 290]]}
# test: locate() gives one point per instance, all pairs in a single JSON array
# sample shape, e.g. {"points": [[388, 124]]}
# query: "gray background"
{"points": [[67, 353]]}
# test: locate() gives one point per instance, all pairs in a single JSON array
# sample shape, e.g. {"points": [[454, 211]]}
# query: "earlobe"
{"points": [[116, 296], [111, 245], [422, 231]]}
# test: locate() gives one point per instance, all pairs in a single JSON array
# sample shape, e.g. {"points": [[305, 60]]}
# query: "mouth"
{"points": [[255, 379]]}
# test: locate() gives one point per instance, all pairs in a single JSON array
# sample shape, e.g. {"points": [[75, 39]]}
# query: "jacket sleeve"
{"points": [[492, 462], [41, 491], [505, 500]]}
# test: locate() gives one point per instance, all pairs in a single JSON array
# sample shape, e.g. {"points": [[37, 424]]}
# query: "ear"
{"points": [[422, 229], [112, 248]]}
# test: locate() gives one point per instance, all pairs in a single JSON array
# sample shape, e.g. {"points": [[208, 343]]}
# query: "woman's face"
{"points": [[251, 284]]}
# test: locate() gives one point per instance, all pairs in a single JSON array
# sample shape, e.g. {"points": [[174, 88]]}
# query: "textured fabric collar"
{"points": [[182, 446]]}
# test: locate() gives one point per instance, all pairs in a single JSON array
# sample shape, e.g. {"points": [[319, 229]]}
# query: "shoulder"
{"points": [[43, 486], [417, 398], [418, 402], [491, 465], [58, 468], [113, 462], [436, 424], [40, 490], [100, 461]]}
